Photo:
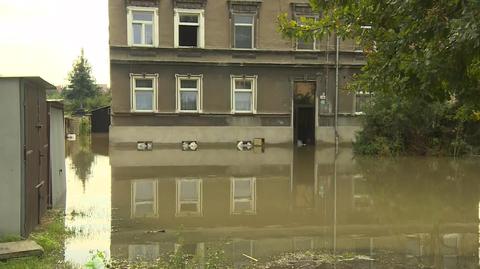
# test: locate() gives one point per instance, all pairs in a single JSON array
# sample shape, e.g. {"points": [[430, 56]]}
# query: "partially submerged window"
{"points": [[243, 94], [189, 29], [189, 93], [143, 93], [243, 194], [189, 197], [142, 26], [144, 198], [244, 29]]}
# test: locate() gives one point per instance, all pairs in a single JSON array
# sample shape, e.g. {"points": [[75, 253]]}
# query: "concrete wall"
{"points": [[10, 156], [202, 134], [57, 157]]}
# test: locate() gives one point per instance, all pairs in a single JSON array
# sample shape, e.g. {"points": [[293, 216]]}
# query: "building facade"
{"points": [[219, 71]]}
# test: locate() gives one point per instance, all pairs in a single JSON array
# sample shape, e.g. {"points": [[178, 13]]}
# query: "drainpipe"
{"points": [[337, 59]]}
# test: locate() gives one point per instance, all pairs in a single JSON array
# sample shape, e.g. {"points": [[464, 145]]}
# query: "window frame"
{"points": [[201, 26], [133, 89], [130, 22], [199, 202], [252, 199], [253, 15], [134, 203], [363, 94], [178, 79], [254, 79], [298, 19]]}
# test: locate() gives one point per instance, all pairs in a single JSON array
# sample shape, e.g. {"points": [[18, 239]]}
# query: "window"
{"points": [[144, 198], [243, 94], [144, 92], [244, 31], [143, 252], [189, 28], [362, 100], [306, 44], [189, 93], [189, 197], [142, 26], [243, 196]]}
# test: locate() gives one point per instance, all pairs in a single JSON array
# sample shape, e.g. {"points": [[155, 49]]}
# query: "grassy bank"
{"points": [[216, 259], [51, 235]]}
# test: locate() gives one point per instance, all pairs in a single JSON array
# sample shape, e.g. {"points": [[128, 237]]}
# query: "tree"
{"points": [[423, 67], [82, 86]]}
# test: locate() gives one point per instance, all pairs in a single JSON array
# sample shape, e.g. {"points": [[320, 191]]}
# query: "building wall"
{"points": [[11, 156], [57, 157], [217, 17], [275, 61], [273, 86]]}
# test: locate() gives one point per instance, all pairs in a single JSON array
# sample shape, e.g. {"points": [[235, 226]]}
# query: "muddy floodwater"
{"points": [[263, 203]]}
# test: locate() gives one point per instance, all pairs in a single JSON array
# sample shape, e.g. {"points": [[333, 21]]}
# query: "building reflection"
{"points": [[264, 204]]}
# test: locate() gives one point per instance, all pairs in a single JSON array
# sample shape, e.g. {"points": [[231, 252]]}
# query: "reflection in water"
{"points": [[422, 210], [88, 204]]}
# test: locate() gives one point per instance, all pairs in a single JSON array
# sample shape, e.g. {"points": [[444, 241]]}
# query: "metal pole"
{"points": [[337, 49], [335, 209]]}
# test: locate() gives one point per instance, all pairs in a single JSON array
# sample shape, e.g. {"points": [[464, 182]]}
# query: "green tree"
{"points": [[82, 86], [423, 67]]}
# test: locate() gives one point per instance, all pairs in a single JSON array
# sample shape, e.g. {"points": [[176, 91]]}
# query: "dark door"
{"points": [[36, 156], [32, 166], [304, 110], [44, 175]]}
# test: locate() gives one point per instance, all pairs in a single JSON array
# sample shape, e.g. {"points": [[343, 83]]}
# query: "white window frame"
{"points": [[254, 79], [201, 26], [314, 39], [134, 204], [199, 90], [130, 22], [133, 89], [179, 202], [252, 199], [362, 94], [243, 24]]}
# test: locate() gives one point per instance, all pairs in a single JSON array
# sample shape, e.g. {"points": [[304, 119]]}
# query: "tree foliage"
{"points": [[423, 66], [82, 91]]}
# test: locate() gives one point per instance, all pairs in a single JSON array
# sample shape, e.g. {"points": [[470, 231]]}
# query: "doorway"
{"points": [[304, 112]]}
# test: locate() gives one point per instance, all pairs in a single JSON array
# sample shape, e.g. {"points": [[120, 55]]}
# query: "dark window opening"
{"points": [[188, 36]]}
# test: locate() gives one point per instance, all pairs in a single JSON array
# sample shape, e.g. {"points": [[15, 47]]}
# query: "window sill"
{"points": [[189, 113], [244, 49], [244, 113], [142, 46], [143, 112]]}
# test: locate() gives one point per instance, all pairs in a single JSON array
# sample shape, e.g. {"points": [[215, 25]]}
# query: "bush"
{"points": [[85, 126], [396, 126]]}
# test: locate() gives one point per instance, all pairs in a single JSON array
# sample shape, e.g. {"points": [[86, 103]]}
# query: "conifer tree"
{"points": [[81, 85]]}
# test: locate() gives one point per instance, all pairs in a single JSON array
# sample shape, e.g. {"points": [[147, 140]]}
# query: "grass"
{"points": [[9, 238], [51, 235]]}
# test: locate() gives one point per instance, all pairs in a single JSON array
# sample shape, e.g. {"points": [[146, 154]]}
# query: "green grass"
{"points": [[9, 238], [51, 236]]}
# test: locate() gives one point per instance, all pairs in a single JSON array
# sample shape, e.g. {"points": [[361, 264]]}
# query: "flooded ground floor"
{"points": [[262, 203]]}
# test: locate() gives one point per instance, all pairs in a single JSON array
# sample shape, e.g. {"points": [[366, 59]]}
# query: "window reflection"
{"points": [[143, 252], [144, 198], [189, 197], [243, 194]]}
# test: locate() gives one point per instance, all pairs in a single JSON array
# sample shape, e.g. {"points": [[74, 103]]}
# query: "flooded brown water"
{"points": [[133, 204]]}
